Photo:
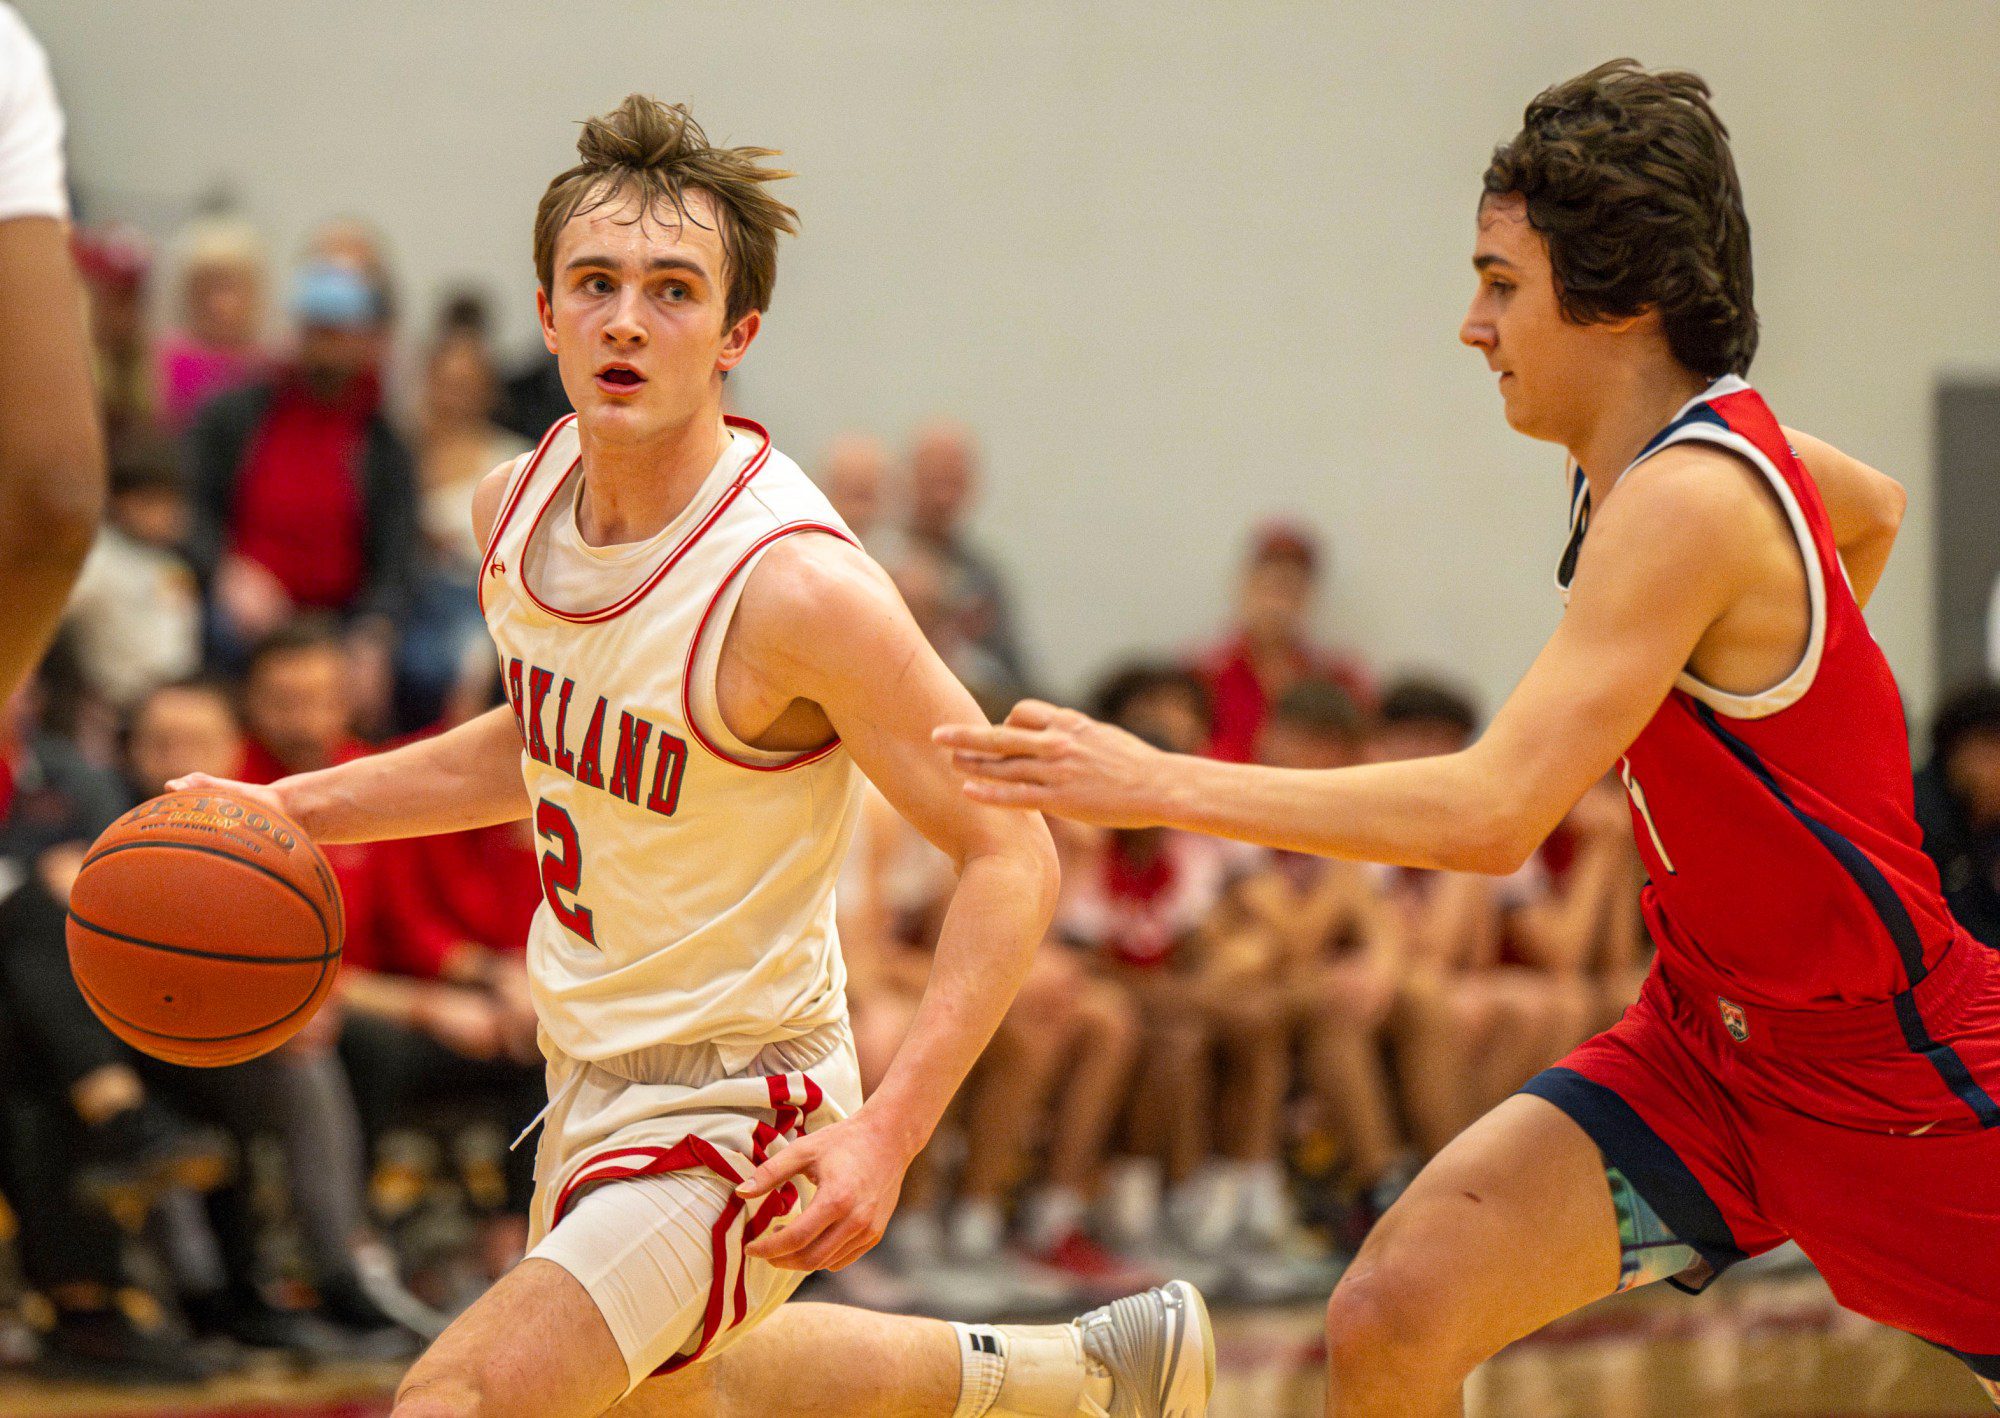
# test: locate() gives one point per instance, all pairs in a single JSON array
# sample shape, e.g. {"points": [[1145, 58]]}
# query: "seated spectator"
{"points": [[438, 1017], [304, 495], [134, 618], [853, 472], [936, 597], [216, 344], [1268, 650], [1145, 904], [1958, 806], [192, 727], [457, 445], [1336, 950], [1057, 1067], [944, 484], [1503, 974], [116, 263], [298, 709]]}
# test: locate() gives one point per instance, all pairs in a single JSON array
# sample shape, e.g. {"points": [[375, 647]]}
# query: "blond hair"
{"points": [[657, 152]]}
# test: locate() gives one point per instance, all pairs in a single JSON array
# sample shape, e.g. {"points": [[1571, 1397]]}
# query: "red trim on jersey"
{"points": [[694, 647], [633, 597], [513, 501]]}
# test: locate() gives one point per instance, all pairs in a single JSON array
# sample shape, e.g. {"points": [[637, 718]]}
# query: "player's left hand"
{"points": [[856, 1169], [1058, 760]]}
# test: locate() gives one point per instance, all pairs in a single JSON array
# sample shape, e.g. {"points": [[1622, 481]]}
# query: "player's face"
{"points": [[635, 318], [1544, 360]]}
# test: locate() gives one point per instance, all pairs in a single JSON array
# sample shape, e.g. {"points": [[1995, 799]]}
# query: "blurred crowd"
{"points": [[1226, 1062]]}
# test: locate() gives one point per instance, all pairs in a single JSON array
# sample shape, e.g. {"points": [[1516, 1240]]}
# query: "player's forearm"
{"points": [[1867, 557], [464, 778], [1436, 813], [999, 914]]}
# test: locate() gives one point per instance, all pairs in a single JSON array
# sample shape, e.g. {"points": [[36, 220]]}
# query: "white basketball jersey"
{"points": [[687, 878]]}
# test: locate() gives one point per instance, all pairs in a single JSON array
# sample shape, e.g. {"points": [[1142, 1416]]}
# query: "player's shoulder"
{"points": [[1694, 486], [814, 597], [488, 495]]}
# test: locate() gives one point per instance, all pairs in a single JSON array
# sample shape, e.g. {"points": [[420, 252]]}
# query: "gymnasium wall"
{"points": [[1181, 266]]}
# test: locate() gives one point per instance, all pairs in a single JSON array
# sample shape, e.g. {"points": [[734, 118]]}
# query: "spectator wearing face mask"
{"points": [[304, 495]]}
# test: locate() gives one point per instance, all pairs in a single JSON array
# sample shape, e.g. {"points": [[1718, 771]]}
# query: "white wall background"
{"points": [[1182, 266]]}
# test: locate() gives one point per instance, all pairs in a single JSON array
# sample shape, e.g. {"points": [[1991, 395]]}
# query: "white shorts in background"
{"points": [[661, 1254]]}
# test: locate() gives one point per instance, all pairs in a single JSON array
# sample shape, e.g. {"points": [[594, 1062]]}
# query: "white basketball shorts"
{"points": [[676, 1128]]}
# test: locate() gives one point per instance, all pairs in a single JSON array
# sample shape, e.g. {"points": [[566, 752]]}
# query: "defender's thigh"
{"points": [[534, 1346], [1511, 1226]]}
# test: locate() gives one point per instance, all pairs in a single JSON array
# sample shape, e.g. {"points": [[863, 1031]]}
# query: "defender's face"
{"points": [[1543, 359], [635, 317]]}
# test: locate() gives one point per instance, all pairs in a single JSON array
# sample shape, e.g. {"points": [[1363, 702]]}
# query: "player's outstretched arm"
{"points": [[1865, 507], [824, 624], [1666, 557], [51, 447], [463, 778]]}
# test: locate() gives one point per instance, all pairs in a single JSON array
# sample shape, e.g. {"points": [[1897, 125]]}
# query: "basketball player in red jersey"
{"points": [[1817, 1052]]}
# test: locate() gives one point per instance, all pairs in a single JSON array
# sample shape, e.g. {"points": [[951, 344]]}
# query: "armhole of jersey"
{"points": [[507, 491], [1789, 690], [701, 703]]}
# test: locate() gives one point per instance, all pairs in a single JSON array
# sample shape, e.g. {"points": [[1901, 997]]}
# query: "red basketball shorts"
{"points": [[1866, 1135]]}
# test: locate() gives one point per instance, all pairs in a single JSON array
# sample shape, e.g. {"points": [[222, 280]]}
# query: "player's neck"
{"points": [[1636, 403], [632, 490]]}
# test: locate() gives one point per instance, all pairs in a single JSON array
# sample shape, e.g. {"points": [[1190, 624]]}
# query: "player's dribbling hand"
{"points": [[857, 1172], [256, 792], [1058, 760]]}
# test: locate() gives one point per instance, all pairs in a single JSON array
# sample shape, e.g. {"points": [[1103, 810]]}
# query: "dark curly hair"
{"points": [[1628, 177]]}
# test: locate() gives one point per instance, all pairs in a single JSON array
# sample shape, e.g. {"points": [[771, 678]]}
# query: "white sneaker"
{"points": [[1159, 1350]]}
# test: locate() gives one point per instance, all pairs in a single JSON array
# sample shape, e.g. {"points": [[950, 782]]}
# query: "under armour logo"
{"points": [[1733, 1019], [499, 568]]}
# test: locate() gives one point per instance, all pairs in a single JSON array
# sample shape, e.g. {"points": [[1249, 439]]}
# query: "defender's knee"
{"points": [[1383, 1329]]}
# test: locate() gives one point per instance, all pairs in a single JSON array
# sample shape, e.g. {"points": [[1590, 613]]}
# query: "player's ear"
{"points": [[1638, 319], [546, 314], [736, 343]]}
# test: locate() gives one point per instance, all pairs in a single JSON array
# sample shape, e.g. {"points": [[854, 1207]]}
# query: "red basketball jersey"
{"points": [[1787, 869]]}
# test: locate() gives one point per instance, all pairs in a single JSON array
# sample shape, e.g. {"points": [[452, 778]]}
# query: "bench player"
{"points": [[698, 660], [51, 440], [1817, 1052]]}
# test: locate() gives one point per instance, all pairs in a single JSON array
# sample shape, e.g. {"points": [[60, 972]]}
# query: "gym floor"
{"points": [[1756, 1346]]}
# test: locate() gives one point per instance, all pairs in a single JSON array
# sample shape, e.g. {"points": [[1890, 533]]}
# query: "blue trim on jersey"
{"points": [[1700, 413], [1987, 1366], [1895, 918], [1653, 1168]]}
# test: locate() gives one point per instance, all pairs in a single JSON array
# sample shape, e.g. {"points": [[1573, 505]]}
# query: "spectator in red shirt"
{"points": [[1269, 651], [304, 496]]}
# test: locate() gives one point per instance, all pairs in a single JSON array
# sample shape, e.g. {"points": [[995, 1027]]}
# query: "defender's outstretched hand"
{"points": [[1058, 760]]}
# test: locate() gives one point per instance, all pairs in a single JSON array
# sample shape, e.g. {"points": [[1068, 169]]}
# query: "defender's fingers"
{"points": [[1005, 770], [1024, 795], [993, 739], [777, 1171], [1035, 714]]}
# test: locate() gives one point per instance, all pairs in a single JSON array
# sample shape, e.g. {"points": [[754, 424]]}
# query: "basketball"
{"points": [[204, 928]]}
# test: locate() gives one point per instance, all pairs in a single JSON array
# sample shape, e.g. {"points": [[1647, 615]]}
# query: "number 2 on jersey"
{"points": [[562, 869]]}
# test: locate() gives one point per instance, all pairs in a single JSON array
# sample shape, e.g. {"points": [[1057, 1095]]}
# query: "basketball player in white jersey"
{"points": [[51, 445], [698, 660]]}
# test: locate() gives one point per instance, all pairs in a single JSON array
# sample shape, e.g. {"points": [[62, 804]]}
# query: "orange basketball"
{"points": [[204, 928]]}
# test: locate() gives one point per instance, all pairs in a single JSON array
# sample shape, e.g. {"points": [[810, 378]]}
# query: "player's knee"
{"points": [[1380, 1324], [441, 1395]]}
